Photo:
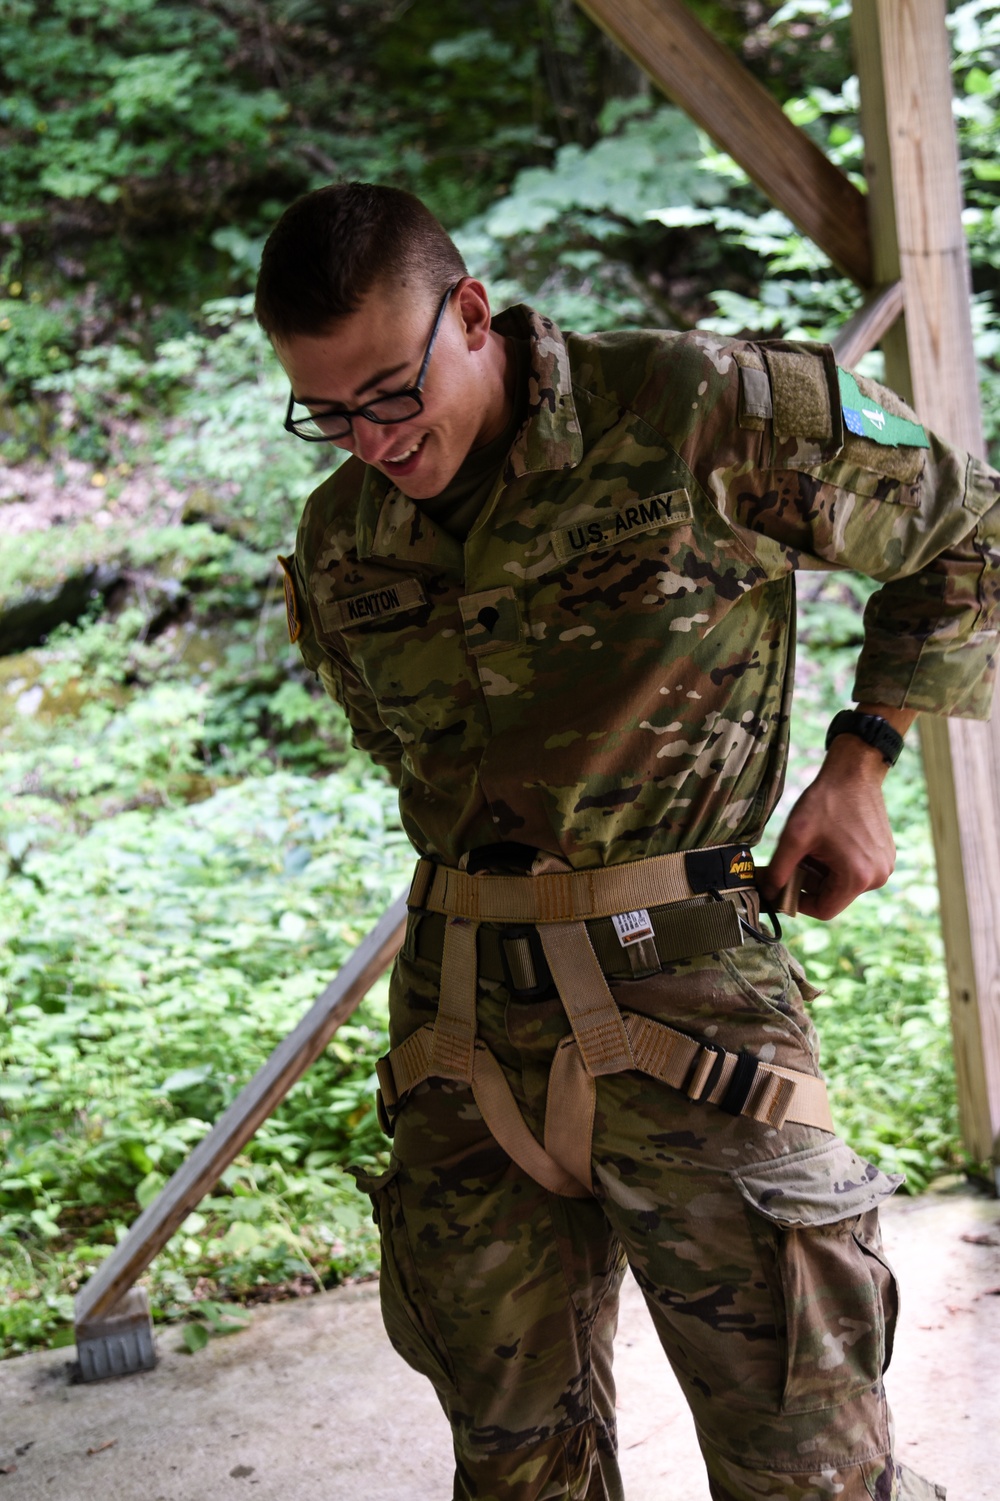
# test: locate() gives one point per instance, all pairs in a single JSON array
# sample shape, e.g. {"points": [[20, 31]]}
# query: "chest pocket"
{"points": [[402, 637], [643, 569]]}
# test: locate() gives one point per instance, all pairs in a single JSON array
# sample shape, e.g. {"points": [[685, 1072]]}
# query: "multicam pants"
{"points": [[757, 1250]]}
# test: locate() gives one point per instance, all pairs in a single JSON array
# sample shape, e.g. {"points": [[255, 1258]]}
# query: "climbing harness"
{"points": [[573, 930]]}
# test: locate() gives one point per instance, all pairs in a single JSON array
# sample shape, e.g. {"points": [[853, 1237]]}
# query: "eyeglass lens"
{"points": [[395, 408]]}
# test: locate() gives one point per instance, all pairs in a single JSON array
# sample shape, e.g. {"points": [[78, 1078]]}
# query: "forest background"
{"points": [[188, 845]]}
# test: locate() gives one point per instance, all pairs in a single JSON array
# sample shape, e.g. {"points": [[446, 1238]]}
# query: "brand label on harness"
{"points": [[632, 927]]}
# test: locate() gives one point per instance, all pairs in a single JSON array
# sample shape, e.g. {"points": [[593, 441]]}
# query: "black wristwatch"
{"points": [[871, 728]]}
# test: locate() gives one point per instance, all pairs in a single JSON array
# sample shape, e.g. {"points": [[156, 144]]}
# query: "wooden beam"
{"points": [[868, 326], [265, 1091], [902, 53], [717, 91]]}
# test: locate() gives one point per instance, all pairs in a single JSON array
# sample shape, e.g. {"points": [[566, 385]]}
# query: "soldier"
{"points": [[552, 589]]}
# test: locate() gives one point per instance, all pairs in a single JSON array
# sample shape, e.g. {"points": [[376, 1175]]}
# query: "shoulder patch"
{"points": [[373, 604], [293, 611], [867, 418]]}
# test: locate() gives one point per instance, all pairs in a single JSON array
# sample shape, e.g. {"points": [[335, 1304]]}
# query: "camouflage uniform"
{"points": [[602, 672]]}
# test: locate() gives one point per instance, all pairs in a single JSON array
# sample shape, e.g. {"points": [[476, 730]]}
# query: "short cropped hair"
{"points": [[330, 248]]}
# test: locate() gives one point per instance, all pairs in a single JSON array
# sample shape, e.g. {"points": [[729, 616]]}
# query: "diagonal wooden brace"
{"points": [[105, 1301]]}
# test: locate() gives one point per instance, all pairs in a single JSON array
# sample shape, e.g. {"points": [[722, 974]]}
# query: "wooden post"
{"points": [[903, 60]]}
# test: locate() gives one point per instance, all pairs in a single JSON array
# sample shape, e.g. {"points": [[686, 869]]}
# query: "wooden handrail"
{"points": [[202, 1169]]}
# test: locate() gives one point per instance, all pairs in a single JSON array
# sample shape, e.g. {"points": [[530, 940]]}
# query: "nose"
{"points": [[375, 441]]}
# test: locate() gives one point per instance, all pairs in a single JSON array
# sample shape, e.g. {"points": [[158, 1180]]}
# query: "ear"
{"points": [[474, 308]]}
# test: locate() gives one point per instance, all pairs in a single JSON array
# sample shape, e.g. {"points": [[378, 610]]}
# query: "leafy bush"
{"points": [[148, 965]]}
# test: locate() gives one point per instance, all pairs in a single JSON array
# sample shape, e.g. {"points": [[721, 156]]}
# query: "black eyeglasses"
{"points": [[328, 425]]}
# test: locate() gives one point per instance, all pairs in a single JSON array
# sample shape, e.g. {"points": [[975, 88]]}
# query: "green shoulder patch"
{"points": [[292, 610], [866, 419]]}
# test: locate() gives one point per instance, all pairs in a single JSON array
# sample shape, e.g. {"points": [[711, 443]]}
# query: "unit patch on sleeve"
{"points": [[373, 604], [611, 527], [292, 610], [866, 419]]}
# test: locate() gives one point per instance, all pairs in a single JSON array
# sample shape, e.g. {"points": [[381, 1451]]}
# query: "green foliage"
{"points": [[149, 962], [100, 98], [207, 1318], [572, 235], [35, 341], [211, 401]]}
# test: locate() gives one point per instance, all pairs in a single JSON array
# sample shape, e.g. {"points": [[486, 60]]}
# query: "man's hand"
{"points": [[840, 824]]}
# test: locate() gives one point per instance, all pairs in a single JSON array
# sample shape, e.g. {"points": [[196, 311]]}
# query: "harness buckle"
{"points": [[386, 1098], [740, 1084], [705, 1072], [525, 967]]}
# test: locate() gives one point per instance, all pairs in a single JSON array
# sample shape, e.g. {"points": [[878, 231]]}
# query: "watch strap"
{"points": [[871, 728]]}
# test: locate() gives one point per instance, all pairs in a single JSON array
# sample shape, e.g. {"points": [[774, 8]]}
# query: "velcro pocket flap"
{"points": [[756, 406], [821, 1186], [805, 395]]}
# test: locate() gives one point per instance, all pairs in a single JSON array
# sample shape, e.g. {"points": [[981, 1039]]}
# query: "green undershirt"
{"points": [[456, 508]]}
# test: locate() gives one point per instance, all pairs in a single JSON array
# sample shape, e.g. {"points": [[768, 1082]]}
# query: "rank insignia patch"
{"points": [[492, 620], [292, 610]]}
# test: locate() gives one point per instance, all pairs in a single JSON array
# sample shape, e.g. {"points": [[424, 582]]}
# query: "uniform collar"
{"points": [[550, 439]]}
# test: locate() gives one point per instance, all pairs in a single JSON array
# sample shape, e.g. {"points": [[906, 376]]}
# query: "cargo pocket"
{"points": [[764, 977], [406, 1311], [814, 1219]]}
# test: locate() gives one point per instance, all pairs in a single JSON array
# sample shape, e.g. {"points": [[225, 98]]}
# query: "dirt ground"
{"points": [[310, 1403]]}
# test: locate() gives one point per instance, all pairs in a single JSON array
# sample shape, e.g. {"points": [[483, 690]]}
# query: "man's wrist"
{"points": [[868, 737], [873, 729]]}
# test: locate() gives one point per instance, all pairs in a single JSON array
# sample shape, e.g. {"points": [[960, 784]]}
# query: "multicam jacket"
{"points": [[603, 670]]}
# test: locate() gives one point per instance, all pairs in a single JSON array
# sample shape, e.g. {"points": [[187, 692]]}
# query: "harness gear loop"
{"points": [[570, 1106], [605, 1039], [455, 1024], [597, 1023]]}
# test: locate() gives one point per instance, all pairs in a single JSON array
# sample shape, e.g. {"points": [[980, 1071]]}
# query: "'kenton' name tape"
{"points": [[374, 604], [632, 927]]}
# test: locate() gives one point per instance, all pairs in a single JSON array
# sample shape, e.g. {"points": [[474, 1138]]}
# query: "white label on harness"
{"points": [[632, 927]]}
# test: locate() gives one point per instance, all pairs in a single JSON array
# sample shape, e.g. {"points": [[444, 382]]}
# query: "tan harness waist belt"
{"points": [[604, 1039]]}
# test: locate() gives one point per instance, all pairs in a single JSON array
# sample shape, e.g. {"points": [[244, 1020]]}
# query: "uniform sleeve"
{"points": [[368, 733], [816, 473]]}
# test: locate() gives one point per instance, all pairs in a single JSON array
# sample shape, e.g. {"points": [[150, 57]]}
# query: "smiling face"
{"points": [[378, 350]]}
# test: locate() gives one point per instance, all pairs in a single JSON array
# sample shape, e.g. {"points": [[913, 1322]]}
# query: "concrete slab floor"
{"points": [[310, 1403]]}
